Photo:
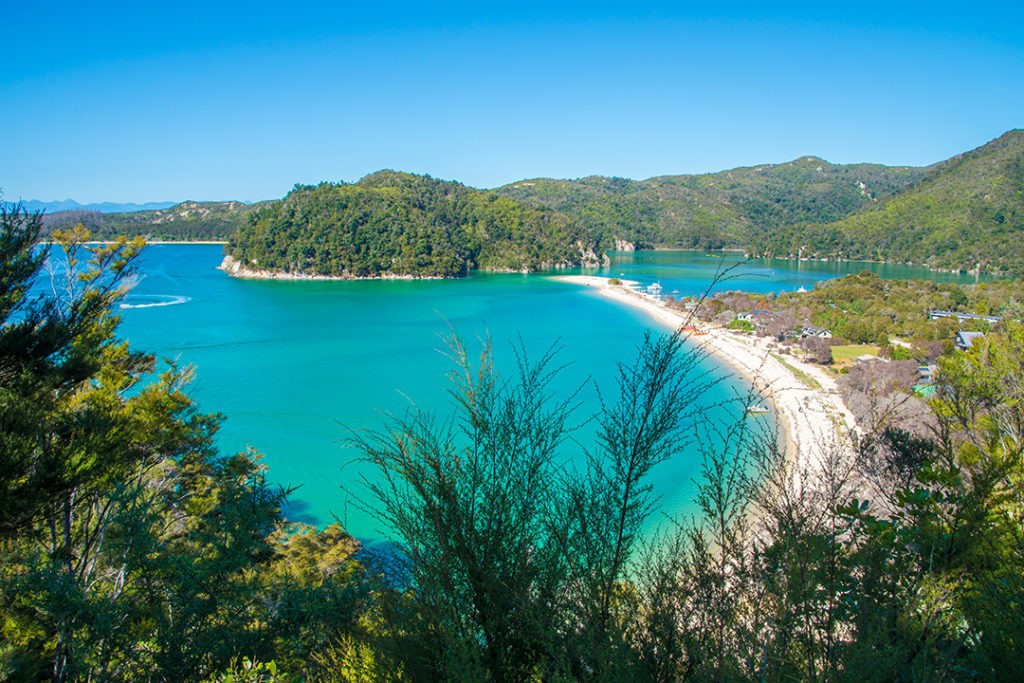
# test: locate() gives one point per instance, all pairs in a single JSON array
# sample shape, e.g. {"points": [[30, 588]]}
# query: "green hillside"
{"points": [[966, 213], [727, 209], [402, 224], [184, 221], [647, 214], [808, 189]]}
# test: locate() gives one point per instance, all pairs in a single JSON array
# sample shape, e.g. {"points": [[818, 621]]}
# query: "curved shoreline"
{"points": [[235, 269], [811, 417]]}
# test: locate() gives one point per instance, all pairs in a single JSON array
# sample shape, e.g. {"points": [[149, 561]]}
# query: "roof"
{"points": [[965, 340], [964, 316]]}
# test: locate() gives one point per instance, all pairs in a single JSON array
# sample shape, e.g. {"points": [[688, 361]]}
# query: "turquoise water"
{"points": [[689, 272], [296, 367]]}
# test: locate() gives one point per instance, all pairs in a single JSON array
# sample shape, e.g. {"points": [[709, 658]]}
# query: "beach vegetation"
{"points": [[865, 312]]}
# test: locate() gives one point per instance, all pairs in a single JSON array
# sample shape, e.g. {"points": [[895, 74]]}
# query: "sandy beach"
{"points": [[235, 269], [806, 399]]}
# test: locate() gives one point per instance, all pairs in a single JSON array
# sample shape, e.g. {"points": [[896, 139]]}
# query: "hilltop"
{"points": [[965, 213], [185, 221], [727, 209], [399, 224]]}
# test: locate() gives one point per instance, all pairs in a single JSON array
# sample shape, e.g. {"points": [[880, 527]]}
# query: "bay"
{"points": [[297, 367]]}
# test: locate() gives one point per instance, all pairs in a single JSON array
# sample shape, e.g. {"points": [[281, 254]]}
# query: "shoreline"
{"points": [[235, 269], [809, 417]]}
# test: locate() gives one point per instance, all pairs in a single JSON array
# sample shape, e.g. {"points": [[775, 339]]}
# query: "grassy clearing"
{"points": [[849, 352]]}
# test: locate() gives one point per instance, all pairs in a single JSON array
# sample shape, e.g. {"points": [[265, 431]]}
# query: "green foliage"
{"points": [[967, 213], [248, 671], [399, 224], [515, 566], [867, 310], [712, 211], [130, 550], [215, 221], [741, 325]]}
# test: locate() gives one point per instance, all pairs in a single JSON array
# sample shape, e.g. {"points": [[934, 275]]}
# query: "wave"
{"points": [[155, 300]]}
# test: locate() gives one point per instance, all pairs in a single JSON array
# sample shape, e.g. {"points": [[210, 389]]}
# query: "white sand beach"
{"points": [[805, 396], [235, 269]]}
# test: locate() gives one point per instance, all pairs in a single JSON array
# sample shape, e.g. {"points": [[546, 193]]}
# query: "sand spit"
{"points": [[805, 396]]}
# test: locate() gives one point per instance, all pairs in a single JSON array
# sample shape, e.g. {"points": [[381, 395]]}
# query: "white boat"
{"points": [[758, 409]]}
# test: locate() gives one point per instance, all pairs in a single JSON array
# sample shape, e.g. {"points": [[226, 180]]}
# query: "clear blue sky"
{"points": [[189, 100]]}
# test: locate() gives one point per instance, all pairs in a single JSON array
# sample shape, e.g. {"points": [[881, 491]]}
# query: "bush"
{"points": [[741, 325]]}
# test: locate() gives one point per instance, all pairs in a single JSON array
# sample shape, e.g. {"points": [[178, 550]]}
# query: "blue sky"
{"points": [[132, 102]]}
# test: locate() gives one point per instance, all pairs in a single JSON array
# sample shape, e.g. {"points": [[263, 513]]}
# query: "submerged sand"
{"points": [[805, 396]]}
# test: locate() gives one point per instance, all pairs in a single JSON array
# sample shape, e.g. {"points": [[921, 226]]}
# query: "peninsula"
{"points": [[806, 398]]}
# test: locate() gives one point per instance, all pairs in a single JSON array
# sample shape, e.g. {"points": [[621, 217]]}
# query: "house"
{"points": [[991, 319], [926, 373], [965, 340], [815, 331]]}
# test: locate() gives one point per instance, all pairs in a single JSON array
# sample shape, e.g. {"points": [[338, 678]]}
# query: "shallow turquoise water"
{"points": [[296, 366]]}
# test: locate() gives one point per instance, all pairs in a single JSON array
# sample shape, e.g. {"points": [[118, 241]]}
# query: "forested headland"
{"points": [[406, 225], [130, 549]]}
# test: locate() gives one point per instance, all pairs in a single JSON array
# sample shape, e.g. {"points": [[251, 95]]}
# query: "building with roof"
{"points": [[965, 340]]}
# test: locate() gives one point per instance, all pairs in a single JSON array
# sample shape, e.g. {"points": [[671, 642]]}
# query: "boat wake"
{"points": [[154, 300]]}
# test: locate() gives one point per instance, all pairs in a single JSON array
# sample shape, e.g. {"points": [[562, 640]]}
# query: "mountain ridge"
{"points": [[963, 213], [966, 213], [69, 204]]}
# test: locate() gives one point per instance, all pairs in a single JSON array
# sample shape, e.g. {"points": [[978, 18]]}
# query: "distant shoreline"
{"points": [[811, 418]]}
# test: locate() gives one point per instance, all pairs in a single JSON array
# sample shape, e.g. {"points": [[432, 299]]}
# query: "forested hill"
{"points": [[963, 213], [184, 221], [727, 209], [400, 224], [966, 213]]}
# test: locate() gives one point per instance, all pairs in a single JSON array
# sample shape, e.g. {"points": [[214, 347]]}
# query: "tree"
{"points": [[817, 349], [50, 346], [130, 549], [515, 566]]}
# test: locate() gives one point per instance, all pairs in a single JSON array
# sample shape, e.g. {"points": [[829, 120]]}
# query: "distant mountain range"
{"points": [[101, 207], [964, 213], [184, 221]]}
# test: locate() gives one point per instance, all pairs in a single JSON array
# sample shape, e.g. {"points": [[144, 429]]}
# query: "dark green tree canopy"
{"points": [[405, 225]]}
